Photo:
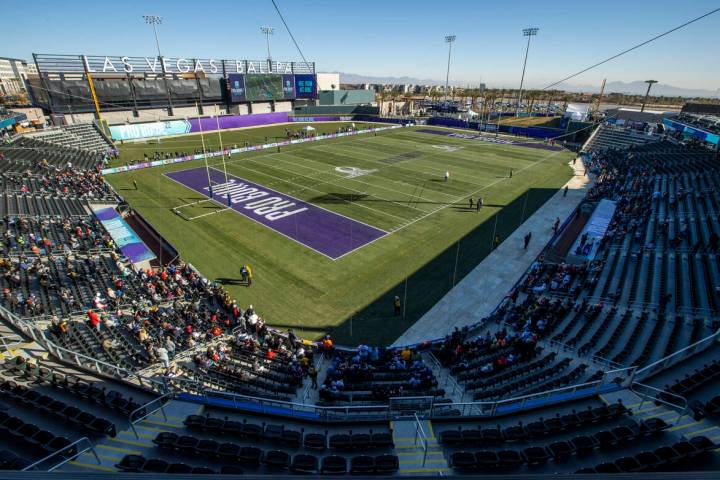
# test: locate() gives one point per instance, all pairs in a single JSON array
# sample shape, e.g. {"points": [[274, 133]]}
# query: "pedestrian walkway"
{"points": [[477, 295]]}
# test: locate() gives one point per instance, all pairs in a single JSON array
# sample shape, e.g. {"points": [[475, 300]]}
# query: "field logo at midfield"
{"points": [[352, 172], [447, 148], [322, 230]]}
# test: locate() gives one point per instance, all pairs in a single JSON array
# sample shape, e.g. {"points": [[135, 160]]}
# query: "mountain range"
{"points": [[637, 87]]}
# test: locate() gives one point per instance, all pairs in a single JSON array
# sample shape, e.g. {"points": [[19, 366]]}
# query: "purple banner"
{"points": [[324, 231], [124, 237], [236, 121]]}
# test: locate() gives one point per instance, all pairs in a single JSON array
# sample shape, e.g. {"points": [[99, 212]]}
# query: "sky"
{"points": [[393, 37]]}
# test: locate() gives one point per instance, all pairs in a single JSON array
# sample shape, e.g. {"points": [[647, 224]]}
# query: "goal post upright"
{"points": [[222, 150], [207, 167]]}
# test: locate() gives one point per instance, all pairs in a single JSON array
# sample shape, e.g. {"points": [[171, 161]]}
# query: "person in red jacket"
{"points": [[94, 320]]}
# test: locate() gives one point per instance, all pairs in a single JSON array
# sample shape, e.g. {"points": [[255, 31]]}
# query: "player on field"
{"points": [[447, 175]]}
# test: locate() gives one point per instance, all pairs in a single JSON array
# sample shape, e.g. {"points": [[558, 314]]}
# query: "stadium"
{"points": [[250, 268]]}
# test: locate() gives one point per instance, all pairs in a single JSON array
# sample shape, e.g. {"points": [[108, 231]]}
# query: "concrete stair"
{"points": [[411, 452]]}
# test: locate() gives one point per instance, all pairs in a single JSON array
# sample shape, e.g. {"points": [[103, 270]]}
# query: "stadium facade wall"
{"points": [[336, 110], [194, 125]]}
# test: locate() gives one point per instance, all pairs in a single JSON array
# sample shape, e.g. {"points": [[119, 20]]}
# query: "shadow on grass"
{"points": [[421, 290]]}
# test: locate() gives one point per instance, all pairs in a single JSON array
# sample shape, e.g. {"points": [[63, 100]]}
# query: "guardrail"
{"points": [[10, 340], [422, 437], [66, 454], [680, 404], [146, 410], [40, 337], [612, 380], [677, 357]]}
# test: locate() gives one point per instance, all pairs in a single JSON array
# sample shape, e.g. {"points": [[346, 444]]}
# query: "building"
{"points": [[13, 73], [328, 81]]}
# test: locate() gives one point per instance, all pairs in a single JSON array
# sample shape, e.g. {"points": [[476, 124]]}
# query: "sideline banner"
{"points": [[124, 237], [233, 151]]}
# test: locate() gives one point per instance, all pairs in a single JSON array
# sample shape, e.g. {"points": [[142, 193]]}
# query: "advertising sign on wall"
{"points": [[237, 87], [124, 237], [305, 86]]}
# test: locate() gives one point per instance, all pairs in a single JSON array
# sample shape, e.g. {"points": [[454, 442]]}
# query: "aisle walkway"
{"points": [[481, 290]]}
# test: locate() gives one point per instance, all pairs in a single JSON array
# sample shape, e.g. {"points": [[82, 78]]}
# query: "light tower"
{"points": [[154, 20], [268, 31], [529, 33], [647, 93], [449, 39]]}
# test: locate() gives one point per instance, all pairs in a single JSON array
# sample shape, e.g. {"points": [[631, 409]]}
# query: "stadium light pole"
{"points": [[154, 20], [268, 31], [529, 33], [647, 93], [449, 39]]}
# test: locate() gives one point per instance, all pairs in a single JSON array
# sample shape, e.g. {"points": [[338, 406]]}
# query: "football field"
{"points": [[334, 229]]}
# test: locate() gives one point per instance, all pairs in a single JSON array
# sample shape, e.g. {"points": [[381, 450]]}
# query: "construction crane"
{"points": [[602, 91]]}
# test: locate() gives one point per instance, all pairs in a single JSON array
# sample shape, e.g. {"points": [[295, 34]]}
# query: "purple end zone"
{"points": [[484, 138], [326, 232]]}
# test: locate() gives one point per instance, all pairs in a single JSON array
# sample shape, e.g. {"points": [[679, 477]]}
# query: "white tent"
{"points": [[308, 128]]}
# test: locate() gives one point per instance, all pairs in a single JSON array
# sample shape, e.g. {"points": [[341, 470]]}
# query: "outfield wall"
{"points": [[139, 131], [228, 151]]}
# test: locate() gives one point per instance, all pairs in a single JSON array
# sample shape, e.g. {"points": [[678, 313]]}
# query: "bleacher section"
{"points": [[34, 156], [608, 136], [81, 136], [162, 372]]}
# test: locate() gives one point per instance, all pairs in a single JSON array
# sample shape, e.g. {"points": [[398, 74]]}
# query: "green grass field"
{"points": [[294, 286]]}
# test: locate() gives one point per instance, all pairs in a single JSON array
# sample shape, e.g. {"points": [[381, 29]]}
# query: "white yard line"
{"points": [[437, 173], [412, 197], [336, 185], [476, 191], [302, 187], [385, 166]]}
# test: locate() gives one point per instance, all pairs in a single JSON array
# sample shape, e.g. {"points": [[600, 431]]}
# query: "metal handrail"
{"points": [[383, 411], [677, 356], [10, 340], [681, 406], [41, 338], [90, 446], [422, 436], [162, 400]]}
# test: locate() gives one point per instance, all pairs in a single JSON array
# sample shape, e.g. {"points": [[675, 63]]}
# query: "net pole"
{"points": [[405, 298], [457, 255], [207, 167], [222, 150]]}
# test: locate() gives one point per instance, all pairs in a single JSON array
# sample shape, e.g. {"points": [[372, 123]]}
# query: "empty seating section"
{"points": [[33, 156], [82, 136], [611, 137], [651, 290], [226, 445]]}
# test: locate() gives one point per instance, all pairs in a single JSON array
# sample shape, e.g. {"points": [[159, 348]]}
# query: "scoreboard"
{"points": [[267, 87]]}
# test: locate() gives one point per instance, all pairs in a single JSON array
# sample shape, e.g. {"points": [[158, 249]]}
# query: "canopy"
{"points": [[308, 128]]}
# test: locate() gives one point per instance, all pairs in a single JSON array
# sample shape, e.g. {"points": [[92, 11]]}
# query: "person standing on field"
{"points": [[471, 203], [447, 175]]}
